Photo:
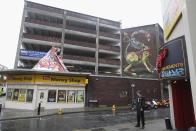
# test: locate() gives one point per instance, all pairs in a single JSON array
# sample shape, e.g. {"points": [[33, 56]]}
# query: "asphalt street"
{"points": [[76, 121]]}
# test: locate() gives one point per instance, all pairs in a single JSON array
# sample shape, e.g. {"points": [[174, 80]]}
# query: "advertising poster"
{"points": [[15, 95], [139, 52], [29, 53], [61, 96], [171, 15], [71, 96], [52, 96], [22, 95], [80, 96]]}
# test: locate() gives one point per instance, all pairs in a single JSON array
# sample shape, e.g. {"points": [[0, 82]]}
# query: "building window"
{"points": [[22, 95], [61, 96], [15, 95], [80, 96], [29, 96], [52, 96], [71, 96], [9, 94]]}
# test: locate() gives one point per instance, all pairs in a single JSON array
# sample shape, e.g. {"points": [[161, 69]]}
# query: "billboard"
{"points": [[171, 15], [29, 53], [139, 50], [175, 64]]}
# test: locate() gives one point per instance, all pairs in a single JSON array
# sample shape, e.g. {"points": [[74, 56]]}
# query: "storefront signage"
{"points": [[43, 79], [175, 64], [20, 78], [2, 81], [172, 13], [60, 79]]}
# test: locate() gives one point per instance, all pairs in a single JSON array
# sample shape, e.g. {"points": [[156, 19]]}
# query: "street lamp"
{"points": [[132, 90]]}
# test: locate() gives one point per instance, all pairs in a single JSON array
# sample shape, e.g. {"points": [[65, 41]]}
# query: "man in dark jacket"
{"points": [[140, 109]]}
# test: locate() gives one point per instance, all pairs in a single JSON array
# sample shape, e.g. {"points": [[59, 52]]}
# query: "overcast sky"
{"points": [[131, 13]]}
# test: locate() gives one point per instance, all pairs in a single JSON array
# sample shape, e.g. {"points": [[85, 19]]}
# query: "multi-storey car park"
{"points": [[88, 44], [106, 64]]}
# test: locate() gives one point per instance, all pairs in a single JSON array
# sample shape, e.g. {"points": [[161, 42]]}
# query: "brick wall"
{"points": [[109, 91], [44, 7]]}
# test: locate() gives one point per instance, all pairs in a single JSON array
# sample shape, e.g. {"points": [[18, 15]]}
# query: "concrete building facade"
{"points": [[182, 115], [88, 44]]}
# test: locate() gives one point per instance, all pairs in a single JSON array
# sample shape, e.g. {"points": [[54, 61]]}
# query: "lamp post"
{"points": [[132, 91]]}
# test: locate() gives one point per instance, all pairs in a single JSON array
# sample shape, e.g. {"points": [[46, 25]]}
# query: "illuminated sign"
{"points": [[175, 65]]}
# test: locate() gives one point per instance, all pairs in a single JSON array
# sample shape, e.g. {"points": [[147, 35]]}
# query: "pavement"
{"points": [[151, 125], [13, 114], [154, 125]]}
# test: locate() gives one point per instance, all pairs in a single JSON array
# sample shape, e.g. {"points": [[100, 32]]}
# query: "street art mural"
{"points": [[139, 52], [51, 61]]}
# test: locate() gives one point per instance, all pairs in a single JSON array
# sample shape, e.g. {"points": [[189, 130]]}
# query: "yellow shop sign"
{"points": [[20, 78], [60, 79], [2, 81]]}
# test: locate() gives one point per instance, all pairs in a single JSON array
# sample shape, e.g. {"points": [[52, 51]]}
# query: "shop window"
{"points": [[71, 97], [15, 95], [22, 95], [9, 94], [41, 95], [80, 96], [52, 96], [29, 96], [61, 96]]}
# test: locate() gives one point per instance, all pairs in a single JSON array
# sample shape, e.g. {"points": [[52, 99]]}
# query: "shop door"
{"points": [[183, 105], [42, 97]]}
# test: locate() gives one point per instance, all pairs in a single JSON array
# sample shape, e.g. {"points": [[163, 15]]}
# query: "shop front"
{"points": [[52, 91], [173, 67]]}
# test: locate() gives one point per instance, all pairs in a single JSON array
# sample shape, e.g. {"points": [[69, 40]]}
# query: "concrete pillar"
{"points": [[63, 33], [97, 48], [171, 105], [20, 36], [161, 87], [121, 54]]}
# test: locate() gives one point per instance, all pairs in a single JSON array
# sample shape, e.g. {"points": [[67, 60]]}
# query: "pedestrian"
{"points": [[140, 105]]}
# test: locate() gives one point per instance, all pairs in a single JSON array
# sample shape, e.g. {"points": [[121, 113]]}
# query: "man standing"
{"points": [[140, 109]]}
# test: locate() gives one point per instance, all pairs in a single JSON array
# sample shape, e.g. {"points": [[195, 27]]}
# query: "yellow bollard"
{"points": [[60, 111], [113, 108]]}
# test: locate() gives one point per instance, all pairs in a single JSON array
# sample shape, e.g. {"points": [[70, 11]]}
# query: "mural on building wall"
{"points": [[139, 52]]}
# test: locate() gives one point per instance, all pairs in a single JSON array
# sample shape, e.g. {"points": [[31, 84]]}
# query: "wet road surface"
{"points": [[86, 120]]}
